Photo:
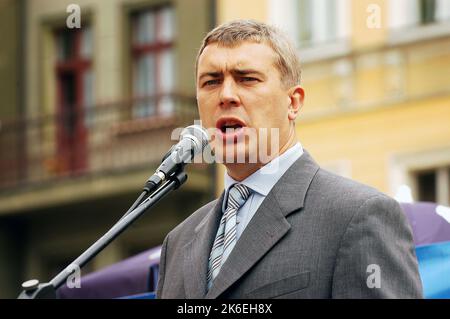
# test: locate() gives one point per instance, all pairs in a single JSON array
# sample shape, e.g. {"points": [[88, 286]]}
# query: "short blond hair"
{"points": [[233, 33]]}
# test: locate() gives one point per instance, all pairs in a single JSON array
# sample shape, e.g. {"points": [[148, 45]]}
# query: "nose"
{"points": [[228, 93]]}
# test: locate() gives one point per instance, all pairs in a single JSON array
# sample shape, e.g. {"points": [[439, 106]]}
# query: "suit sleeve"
{"points": [[376, 258], [162, 268]]}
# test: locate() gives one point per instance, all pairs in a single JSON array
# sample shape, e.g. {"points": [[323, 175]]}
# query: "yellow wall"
{"points": [[363, 11], [237, 9], [369, 140]]}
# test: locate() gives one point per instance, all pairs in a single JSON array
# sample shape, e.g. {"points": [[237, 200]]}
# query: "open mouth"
{"points": [[227, 125], [230, 129]]}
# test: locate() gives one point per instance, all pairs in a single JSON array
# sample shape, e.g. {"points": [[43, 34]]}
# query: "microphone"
{"points": [[193, 141]]}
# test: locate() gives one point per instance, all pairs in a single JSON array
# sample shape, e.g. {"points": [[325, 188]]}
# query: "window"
{"points": [[75, 95], [427, 11], [433, 185], [311, 22], [404, 13], [153, 62], [426, 186]]}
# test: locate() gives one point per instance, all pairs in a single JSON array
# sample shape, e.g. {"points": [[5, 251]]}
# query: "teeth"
{"points": [[232, 123]]}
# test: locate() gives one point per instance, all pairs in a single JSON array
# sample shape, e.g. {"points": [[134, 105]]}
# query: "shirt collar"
{"points": [[267, 176]]}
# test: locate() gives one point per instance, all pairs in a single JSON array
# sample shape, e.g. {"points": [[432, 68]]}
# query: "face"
{"points": [[241, 96]]}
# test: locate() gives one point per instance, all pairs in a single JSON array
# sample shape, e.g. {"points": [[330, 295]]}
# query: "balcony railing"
{"points": [[85, 141]]}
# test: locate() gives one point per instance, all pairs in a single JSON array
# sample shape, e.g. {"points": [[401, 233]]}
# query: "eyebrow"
{"points": [[234, 71], [210, 74], [246, 72]]}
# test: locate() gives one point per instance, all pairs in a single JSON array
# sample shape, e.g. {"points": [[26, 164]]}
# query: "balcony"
{"points": [[89, 152]]}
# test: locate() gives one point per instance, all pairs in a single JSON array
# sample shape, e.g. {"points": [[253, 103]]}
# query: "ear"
{"points": [[296, 96]]}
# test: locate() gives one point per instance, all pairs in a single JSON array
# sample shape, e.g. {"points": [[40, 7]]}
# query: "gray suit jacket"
{"points": [[316, 235]]}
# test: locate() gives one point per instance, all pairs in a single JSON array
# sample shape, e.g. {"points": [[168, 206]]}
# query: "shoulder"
{"points": [[347, 198], [346, 191], [354, 210], [329, 190]]}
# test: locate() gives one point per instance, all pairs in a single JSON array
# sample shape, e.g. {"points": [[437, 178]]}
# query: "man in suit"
{"points": [[283, 227]]}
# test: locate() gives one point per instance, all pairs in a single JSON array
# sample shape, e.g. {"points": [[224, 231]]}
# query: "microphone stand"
{"points": [[34, 290]]}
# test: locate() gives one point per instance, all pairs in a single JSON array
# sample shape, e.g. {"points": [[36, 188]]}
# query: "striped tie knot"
{"points": [[237, 195]]}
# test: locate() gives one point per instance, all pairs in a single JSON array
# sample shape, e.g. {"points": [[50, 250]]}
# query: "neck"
{"points": [[240, 171]]}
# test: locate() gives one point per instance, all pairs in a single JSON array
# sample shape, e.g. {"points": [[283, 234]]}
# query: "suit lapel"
{"points": [[268, 225], [265, 229], [196, 253]]}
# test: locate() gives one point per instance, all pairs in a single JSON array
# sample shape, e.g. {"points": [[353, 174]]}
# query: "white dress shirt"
{"points": [[261, 182]]}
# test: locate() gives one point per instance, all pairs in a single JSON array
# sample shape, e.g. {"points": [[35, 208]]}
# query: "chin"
{"points": [[235, 153]]}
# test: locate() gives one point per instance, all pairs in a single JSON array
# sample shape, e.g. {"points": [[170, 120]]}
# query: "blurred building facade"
{"points": [[86, 116], [11, 106], [376, 75]]}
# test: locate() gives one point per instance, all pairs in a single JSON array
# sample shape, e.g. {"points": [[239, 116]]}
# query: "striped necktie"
{"points": [[226, 234]]}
